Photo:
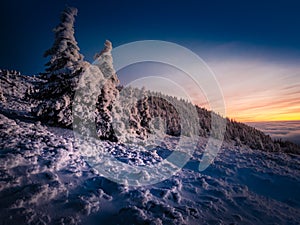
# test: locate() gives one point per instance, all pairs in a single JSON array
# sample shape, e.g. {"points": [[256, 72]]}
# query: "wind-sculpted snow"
{"points": [[44, 180], [152, 172], [133, 156]]}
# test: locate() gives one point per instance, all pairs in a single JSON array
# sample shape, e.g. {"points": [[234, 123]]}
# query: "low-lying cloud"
{"points": [[286, 130]]}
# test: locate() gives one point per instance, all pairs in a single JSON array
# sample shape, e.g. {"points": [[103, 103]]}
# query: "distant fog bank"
{"points": [[286, 130]]}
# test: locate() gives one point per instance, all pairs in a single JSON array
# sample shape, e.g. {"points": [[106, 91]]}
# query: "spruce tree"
{"points": [[64, 54], [62, 74], [109, 94]]}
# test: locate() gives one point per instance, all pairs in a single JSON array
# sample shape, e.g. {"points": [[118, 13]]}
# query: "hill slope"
{"points": [[45, 180]]}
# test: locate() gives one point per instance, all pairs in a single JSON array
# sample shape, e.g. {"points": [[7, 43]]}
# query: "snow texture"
{"points": [[44, 178], [108, 94], [64, 69], [64, 52]]}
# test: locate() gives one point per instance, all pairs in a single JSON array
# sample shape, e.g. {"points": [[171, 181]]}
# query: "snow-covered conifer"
{"points": [[108, 95], [143, 107], [62, 74], [64, 54]]}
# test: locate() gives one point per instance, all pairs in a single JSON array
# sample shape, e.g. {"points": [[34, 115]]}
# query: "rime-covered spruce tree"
{"points": [[108, 95], [62, 74]]}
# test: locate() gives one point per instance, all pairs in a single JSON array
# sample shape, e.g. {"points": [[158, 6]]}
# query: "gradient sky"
{"points": [[253, 47]]}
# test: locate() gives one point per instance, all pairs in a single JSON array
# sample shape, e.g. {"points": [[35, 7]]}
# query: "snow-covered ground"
{"points": [[45, 180]]}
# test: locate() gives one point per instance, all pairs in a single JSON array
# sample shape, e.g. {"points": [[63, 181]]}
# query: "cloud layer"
{"points": [[286, 130]]}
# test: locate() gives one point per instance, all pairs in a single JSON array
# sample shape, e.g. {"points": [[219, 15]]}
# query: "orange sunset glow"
{"points": [[256, 86]]}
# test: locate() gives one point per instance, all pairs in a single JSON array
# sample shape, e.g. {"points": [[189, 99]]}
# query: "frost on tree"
{"points": [[2, 98], [62, 74], [108, 95], [64, 54], [143, 107], [131, 116]]}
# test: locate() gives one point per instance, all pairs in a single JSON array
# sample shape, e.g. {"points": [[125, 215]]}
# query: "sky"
{"points": [[253, 47]]}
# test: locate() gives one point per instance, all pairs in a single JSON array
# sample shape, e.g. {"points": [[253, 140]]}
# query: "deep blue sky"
{"points": [[26, 26]]}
